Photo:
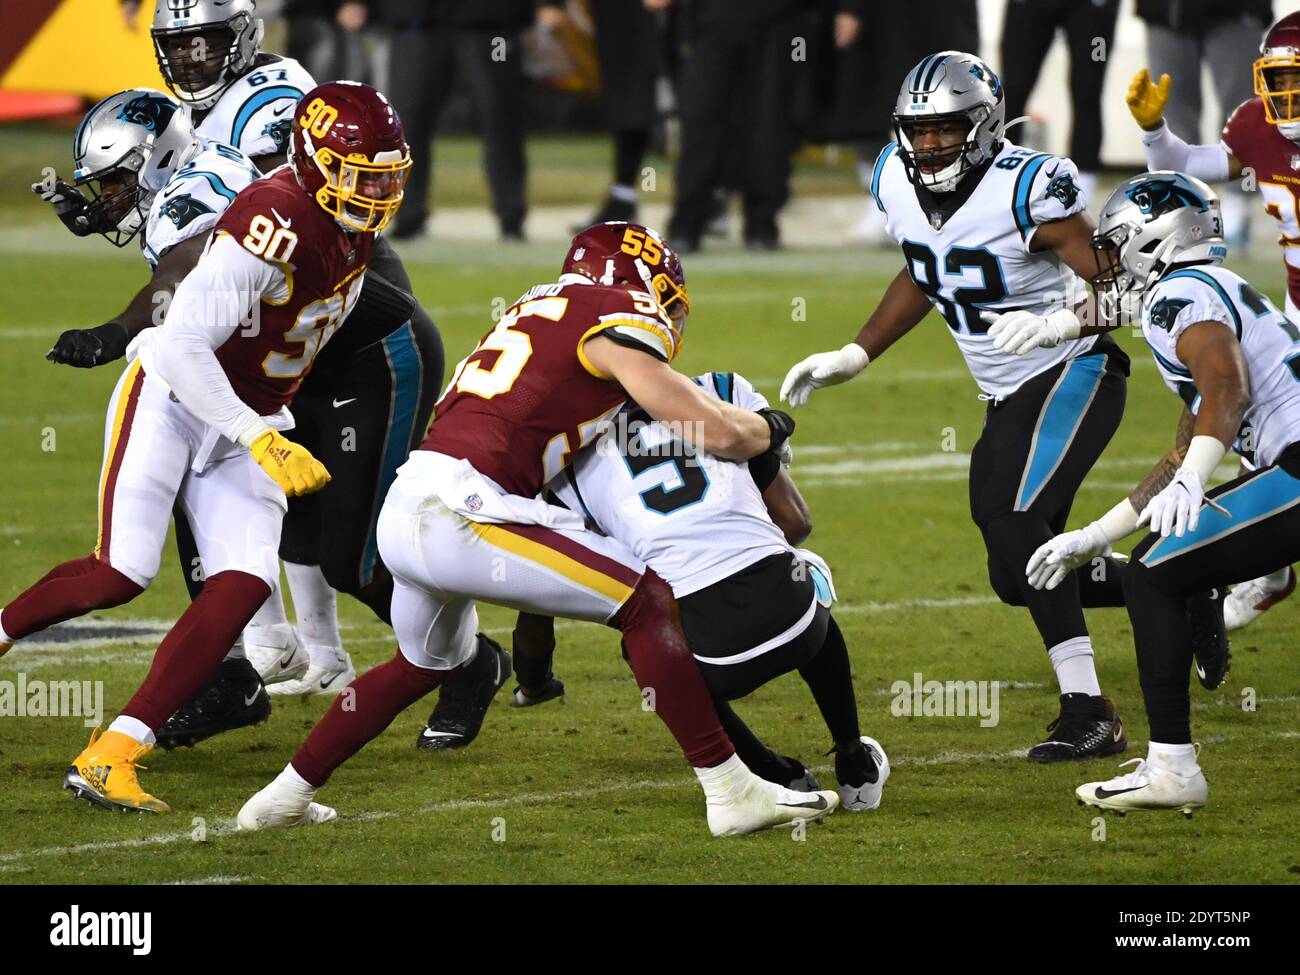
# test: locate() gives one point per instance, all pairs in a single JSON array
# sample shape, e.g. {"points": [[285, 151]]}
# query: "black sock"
{"points": [[762, 761], [532, 662], [630, 147], [830, 679]]}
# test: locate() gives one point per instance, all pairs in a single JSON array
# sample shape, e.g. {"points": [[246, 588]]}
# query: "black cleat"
{"points": [[1087, 727], [1209, 637], [801, 777], [465, 698], [234, 698], [552, 690]]}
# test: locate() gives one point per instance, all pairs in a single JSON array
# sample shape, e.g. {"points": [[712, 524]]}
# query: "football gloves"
{"points": [[1146, 99], [822, 369], [1177, 509], [68, 202], [290, 465], [89, 347], [1016, 332], [1059, 556]]}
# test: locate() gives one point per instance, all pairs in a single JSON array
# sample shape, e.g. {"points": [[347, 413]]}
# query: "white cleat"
{"points": [[1250, 600], [1147, 787], [758, 804], [329, 678], [282, 805], [276, 653], [859, 798]]}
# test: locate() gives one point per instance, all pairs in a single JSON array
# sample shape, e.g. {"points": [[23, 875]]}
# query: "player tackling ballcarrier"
{"points": [[464, 522]]}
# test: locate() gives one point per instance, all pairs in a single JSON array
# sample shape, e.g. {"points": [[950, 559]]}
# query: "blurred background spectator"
{"points": [[1222, 35], [1028, 30], [325, 38]]}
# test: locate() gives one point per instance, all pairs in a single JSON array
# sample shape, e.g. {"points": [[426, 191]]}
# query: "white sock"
{"points": [[720, 782], [5, 637], [291, 778], [133, 728], [1073, 662], [1273, 582], [271, 612], [316, 606], [623, 193], [1175, 758]]}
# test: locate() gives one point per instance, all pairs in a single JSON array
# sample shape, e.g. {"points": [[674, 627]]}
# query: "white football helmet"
{"points": [[126, 149], [946, 86], [204, 46], [1148, 224]]}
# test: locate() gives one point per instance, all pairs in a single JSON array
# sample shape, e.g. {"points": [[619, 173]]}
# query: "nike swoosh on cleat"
{"points": [[818, 803], [430, 733], [344, 402], [1101, 793], [248, 701], [288, 659], [1200, 671], [326, 683]]}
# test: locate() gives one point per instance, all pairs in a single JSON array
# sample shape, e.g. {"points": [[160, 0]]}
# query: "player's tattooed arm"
{"points": [[1167, 466], [86, 348], [902, 306], [787, 508]]}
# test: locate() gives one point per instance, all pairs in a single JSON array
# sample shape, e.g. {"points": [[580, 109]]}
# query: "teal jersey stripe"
{"points": [[1025, 186], [1261, 497], [1199, 275], [1058, 423], [406, 370], [885, 153]]}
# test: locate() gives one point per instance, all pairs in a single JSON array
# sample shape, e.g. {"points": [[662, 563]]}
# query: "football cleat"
{"points": [[801, 777], [276, 652], [104, 774], [552, 690], [1248, 601], [1209, 637], [5, 648], [234, 698], [862, 776], [1087, 727], [282, 804], [1147, 787], [754, 804], [464, 699], [326, 678]]}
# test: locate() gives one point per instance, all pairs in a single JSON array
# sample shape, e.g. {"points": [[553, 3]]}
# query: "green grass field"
{"points": [[594, 789]]}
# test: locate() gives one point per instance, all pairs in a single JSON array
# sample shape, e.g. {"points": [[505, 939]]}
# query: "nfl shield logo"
{"points": [[936, 221], [473, 502]]}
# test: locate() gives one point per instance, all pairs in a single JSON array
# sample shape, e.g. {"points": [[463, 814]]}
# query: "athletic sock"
{"points": [[1179, 758], [315, 605], [830, 678], [133, 728], [1075, 669]]}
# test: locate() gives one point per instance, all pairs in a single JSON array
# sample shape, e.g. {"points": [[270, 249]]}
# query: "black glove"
{"points": [[88, 347], [781, 425], [69, 205]]}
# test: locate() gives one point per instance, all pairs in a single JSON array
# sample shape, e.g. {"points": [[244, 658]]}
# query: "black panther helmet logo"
{"points": [[153, 112], [1157, 197]]}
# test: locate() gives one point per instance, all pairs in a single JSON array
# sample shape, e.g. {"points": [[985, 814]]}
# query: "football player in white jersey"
{"points": [[753, 606], [995, 237], [1262, 138], [146, 169], [1234, 359]]}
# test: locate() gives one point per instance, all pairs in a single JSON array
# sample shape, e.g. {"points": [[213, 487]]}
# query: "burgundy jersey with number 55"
{"points": [[527, 398], [323, 265]]}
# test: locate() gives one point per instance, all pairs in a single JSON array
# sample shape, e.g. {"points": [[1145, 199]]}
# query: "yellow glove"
{"points": [[1146, 99], [290, 465]]}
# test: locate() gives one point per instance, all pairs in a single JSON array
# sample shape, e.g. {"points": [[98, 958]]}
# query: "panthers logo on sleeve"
{"points": [[1165, 311], [184, 208], [1160, 196], [279, 133], [154, 112], [1064, 189]]}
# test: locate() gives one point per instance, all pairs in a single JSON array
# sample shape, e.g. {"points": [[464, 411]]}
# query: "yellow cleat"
{"points": [[5, 648], [104, 774]]}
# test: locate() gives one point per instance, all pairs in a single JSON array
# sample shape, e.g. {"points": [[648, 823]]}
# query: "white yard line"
{"points": [[217, 879]]}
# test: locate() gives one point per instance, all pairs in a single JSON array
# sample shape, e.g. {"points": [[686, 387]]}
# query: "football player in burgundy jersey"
{"points": [[196, 417], [464, 521], [1263, 137]]}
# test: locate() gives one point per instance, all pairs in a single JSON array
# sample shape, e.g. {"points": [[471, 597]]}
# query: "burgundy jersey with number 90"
{"points": [[527, 398]]}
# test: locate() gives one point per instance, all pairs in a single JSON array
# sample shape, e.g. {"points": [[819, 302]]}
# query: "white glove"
{"points": [[823, 369], [1177, 509], [1058, 557], [1017, 332]]}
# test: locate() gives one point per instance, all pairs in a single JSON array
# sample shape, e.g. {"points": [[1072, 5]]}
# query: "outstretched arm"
{"points": [[1164, 150]]}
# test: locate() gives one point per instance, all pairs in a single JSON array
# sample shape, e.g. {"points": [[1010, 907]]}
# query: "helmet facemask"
{"points": [[199, 63], [1277, 83], [359, 193], [117, 199], [940, 168]]}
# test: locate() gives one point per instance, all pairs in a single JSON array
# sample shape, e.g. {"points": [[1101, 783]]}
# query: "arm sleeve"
{"points": [[209, 305], [1166, 151]]}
